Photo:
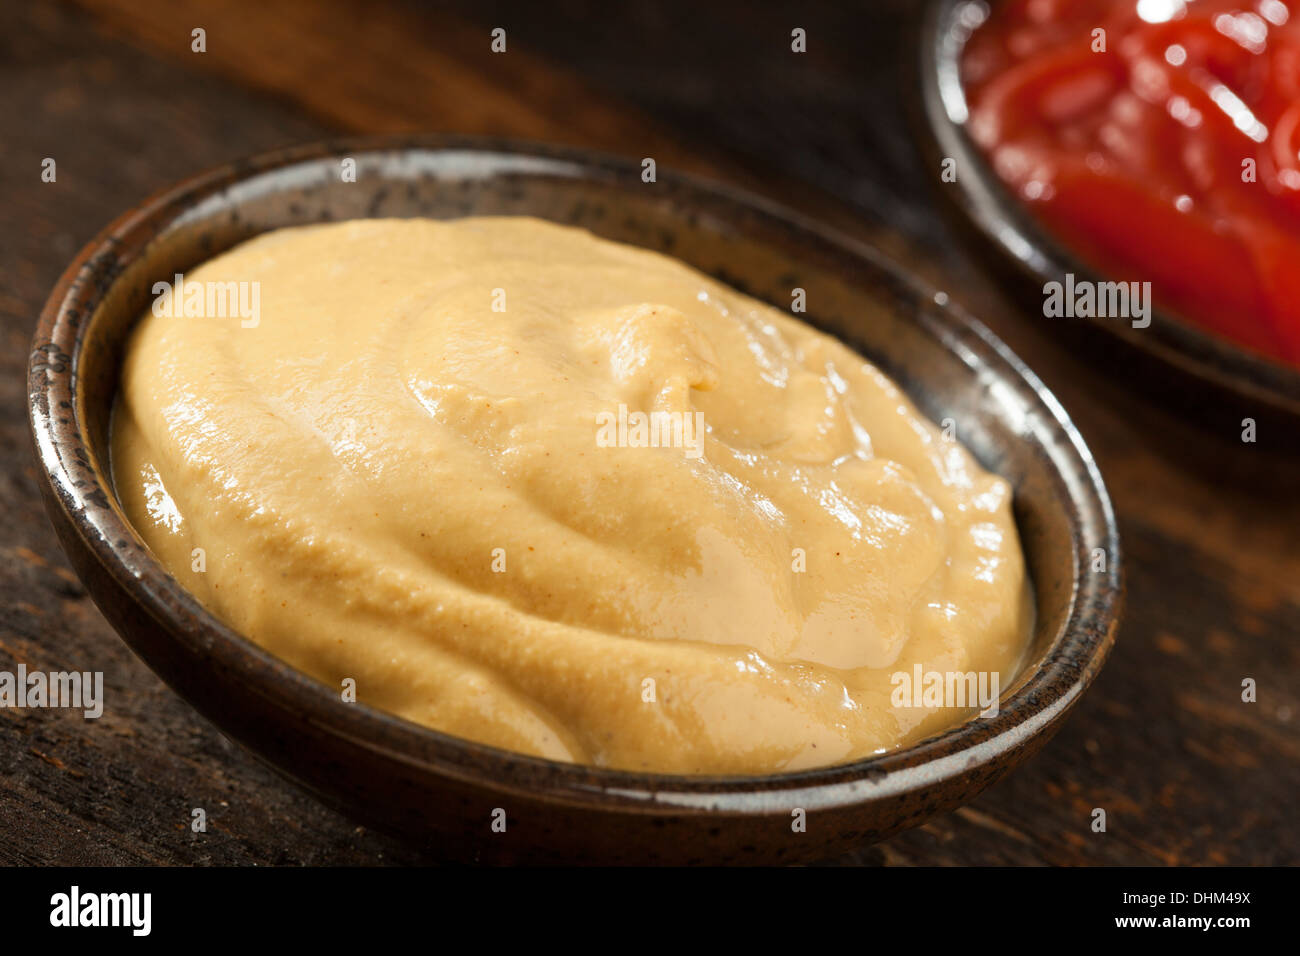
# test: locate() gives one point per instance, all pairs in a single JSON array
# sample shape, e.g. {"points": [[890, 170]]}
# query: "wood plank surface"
{"points": [[1188, 773]]}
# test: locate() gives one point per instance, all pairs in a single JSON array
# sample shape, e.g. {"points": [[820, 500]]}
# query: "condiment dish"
{"points": [[447, 793], [1176, 359]]}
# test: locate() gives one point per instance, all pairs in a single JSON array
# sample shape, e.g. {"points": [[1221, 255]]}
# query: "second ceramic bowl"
{"points": [[1211, 376], [443, 791]]}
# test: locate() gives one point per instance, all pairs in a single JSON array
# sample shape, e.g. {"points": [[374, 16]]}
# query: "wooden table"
{"points": [[1187, 772]]}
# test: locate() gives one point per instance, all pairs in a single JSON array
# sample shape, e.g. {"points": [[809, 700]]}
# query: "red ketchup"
{"points": [[1166, 149]]}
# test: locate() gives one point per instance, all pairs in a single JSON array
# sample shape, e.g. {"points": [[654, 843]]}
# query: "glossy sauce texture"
{"points": [[398, 477], [1171, 156]]}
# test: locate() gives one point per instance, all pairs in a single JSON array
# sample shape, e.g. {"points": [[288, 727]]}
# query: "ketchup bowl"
{"points": [[444, 793], [1166, 351]]}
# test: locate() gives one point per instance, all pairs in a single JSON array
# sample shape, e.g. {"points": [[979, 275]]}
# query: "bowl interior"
{"points": [[1006, 227], [950, 366]]}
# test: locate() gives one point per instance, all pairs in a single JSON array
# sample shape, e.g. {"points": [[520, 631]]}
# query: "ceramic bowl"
{"points": [[442, 791], [1189, 367]]}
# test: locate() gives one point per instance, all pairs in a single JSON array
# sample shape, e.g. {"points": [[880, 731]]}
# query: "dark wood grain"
{"points": [[1188, 773]]}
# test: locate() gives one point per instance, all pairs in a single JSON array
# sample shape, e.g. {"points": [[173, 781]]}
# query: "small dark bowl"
{"points": [[442, 790], [1172, 357]]}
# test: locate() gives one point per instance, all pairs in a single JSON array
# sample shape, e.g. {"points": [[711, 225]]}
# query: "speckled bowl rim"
{"points": [[997, 215], [1076, 655]]}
